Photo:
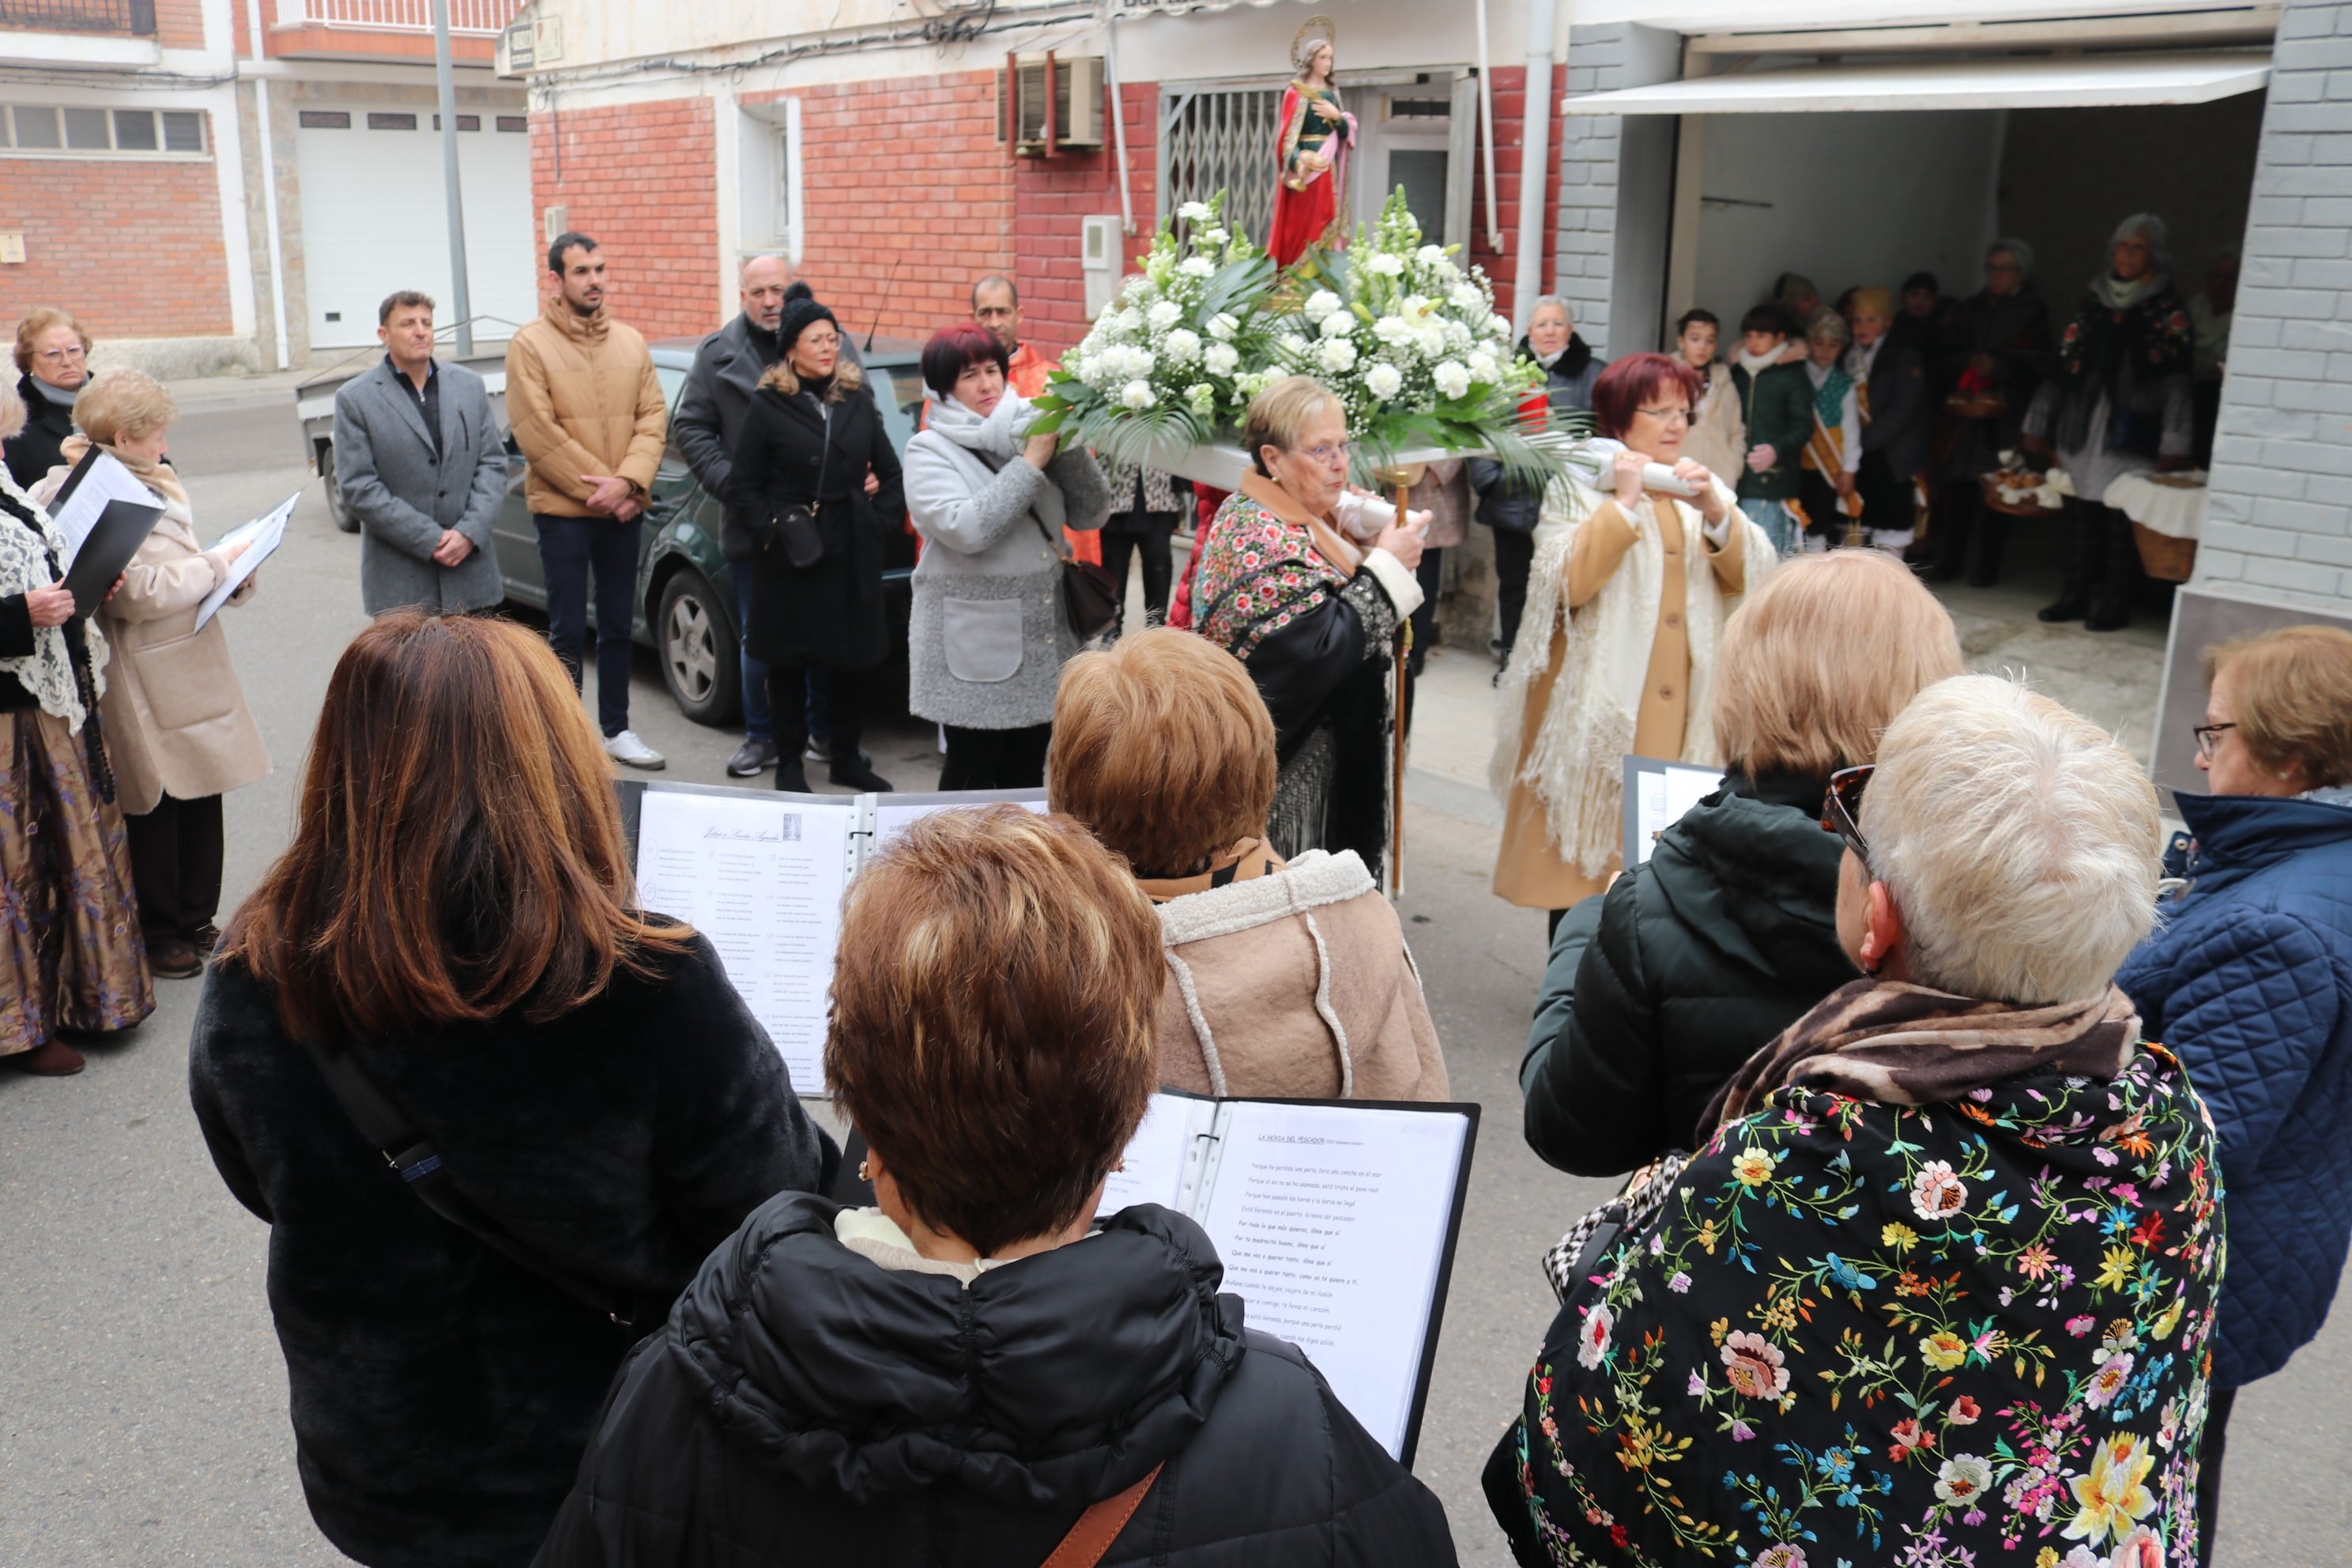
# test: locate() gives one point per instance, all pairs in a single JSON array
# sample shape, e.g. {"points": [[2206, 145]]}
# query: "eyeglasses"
{"points": [[1841, 809], [60, 356], [1329, 452], [2209, 738], [1666, 415]]}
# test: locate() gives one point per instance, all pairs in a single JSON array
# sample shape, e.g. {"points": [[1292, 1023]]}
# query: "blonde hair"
{"points": [[994, 1038], [1874, 302], [1820, 657], [1163, 747], [12, 411], [124, 405], [1278, 415], [2019, 840], [39, 320], [847, 377], [2293, 689]]}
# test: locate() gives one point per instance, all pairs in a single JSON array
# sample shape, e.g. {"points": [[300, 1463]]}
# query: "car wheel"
{"points": [[701, 661], [335, 506]]}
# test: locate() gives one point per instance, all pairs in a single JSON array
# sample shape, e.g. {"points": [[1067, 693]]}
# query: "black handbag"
{"points": [[1089, 597], [794, 530]]}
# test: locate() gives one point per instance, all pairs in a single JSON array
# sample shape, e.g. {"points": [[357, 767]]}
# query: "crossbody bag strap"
{"points": [[823, 453], [1097, 1528], [411, 1153]]}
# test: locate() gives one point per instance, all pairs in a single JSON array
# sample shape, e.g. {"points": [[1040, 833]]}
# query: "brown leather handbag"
{"points": [[1099, 1526]]}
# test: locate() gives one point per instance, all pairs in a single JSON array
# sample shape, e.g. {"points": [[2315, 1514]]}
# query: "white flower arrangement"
{"points": [[1409, 341], [1165, 362]]}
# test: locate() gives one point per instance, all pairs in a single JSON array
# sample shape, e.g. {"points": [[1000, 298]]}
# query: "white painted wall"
{"points": [[1856, 199], [1714, 16]]}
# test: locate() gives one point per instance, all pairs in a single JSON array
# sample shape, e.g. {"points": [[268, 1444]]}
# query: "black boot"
{"points": [[1992, 537], [2073, 606], [850, 770], [792, 774], [788, 703], [2109, 615]]}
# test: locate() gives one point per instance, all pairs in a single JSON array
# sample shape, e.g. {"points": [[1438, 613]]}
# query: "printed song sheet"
{"points": [[104, 480], [1157, 1154], [763, 879], [267, 532], [893, 818], [1662, 798], [1332, 1223]]}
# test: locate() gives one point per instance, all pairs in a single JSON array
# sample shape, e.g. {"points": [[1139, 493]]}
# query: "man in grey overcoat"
{"points": [[421, 465]]}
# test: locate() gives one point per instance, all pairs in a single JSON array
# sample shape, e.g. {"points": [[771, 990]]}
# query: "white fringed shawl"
{"points": [[1574, 764]]}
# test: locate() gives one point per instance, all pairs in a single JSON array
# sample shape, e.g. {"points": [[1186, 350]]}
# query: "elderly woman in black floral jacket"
{"points": [[1938, 1287]]}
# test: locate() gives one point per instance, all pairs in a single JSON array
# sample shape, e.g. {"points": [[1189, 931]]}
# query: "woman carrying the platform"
{"points": [[1617, 651], [1313, 617]]}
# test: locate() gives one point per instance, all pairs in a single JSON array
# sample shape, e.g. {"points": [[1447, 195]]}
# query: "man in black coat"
{"points": [[1892, 379], [727, 371]]}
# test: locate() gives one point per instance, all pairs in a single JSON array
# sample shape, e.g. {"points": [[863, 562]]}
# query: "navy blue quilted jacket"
{"points": [[2250, 980]]}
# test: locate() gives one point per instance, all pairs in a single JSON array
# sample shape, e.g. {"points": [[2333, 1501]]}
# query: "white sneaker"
{"points": [[625, 748]]}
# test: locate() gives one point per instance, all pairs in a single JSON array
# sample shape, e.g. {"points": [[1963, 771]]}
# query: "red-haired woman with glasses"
{"points": [[1641, 554], [1313, 617]]}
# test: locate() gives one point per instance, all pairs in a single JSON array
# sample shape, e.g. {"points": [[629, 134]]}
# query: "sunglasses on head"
{"points": [[1841, 809]]}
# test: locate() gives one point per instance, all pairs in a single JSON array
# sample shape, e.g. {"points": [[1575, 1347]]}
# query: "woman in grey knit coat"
{"points": [[989, 633]]}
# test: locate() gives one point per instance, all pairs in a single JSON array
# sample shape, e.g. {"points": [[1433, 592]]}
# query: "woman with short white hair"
{"points": [[1948, 1257]]}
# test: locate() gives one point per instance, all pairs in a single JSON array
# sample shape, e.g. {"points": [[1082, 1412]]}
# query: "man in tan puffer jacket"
{"points": [[1285, 979], [587, 413]]}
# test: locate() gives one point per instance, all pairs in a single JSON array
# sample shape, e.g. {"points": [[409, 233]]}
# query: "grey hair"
{"points": [[1542, 299], [2023, 252], [1827, 324], [2019, 841], [2151, 227]]}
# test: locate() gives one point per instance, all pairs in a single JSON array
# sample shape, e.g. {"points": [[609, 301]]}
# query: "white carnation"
{"points": [[1193, 211], [1213, 237], [1430, 255], [1222, 326], [1466, 299], [1393, 330], [1457, 334], [1137, 395], [1337, 355], [1430, 339], [1223, 359], [1499, 327], [1321, 303], [1483, 366], [1387, 266], [1294, 346], [1339, 324], [1452, 378], [1184, 346], [1196, 267], [1164, 314], [1384, 381], [1131, 321]]}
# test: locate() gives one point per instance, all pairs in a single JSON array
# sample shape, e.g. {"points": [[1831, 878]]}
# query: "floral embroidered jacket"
{"points": [[1971, 1333]]}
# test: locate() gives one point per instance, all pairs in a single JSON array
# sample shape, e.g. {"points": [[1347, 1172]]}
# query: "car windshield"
{"points": [[898, 392]]}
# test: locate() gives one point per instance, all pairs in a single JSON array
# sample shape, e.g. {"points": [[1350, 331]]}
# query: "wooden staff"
{"points": [[1396, 771]]}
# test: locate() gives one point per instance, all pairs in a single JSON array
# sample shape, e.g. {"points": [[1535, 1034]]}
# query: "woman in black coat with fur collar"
{"points": [[810, 435], [591, 1080]]}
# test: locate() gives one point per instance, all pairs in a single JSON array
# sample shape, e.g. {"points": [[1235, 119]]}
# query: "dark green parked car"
{"points": [[685, 588]]}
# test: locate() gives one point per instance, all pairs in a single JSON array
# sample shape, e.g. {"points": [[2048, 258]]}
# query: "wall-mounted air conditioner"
{"points": [[1051, 103]]}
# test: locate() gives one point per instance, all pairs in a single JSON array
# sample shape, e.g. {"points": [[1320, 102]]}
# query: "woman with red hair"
{"points": [[1616, 649]]}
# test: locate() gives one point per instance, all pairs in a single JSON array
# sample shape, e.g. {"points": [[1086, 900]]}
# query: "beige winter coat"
{"points": [[1296, 984], [583, 398], [175, 718]]}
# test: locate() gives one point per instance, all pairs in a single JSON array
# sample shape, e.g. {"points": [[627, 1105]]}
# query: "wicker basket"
{"points": [[2013, 508], [2167, 559]]}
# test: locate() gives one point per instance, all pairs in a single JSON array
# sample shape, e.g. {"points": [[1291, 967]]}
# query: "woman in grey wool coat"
{"points": [[989, 631]]}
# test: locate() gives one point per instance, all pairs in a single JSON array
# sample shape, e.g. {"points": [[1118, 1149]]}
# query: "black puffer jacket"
{"points": [[1658, 989], [440, 1392], [807, 1405]]}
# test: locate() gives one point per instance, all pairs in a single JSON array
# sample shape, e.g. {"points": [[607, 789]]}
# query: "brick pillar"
{"points": [[1616, 190]]}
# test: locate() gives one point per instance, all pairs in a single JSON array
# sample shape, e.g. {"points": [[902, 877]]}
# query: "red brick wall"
{"points": [[1510, 140], [641, 179], [906, 172], [180, 24], [1054, 193], [93, 229]]}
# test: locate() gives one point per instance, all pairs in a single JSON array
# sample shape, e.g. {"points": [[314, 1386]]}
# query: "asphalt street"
{"points": [[142, 1397]]}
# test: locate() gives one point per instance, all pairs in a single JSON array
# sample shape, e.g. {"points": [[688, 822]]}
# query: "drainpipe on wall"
{"points": [[268, 182], [1118, 122], [1486, 119], [1535, 154]]}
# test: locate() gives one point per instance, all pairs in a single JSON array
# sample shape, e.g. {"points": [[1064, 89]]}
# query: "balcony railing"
{"points": [[474, 18], [136, 18]]}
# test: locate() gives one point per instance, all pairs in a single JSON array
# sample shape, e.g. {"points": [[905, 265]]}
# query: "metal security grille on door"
{"points": [[1216, 138]]}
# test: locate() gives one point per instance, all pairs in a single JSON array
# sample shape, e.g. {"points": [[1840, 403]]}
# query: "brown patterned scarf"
{"points": [[1898, 1044]]}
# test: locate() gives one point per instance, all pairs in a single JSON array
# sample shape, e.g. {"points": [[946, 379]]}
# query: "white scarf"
{"points": [[47, 671], [996, 441], [1757, 365], [1574, 764]]}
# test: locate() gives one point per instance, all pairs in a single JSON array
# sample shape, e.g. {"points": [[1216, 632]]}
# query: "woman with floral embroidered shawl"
{"points": [[1616, 649], [1939, 1286], [1313, 616]]}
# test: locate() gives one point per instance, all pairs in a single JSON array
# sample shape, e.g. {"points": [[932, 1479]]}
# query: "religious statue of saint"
{"points": [[1313, 146]]}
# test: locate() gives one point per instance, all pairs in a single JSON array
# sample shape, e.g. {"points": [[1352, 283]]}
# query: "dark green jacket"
{"points": [[1778, 407], [1658, 989]]}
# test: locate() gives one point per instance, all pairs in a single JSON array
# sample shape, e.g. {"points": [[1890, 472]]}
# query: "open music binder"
{"points": [[760, 873], [1336, 1221]]}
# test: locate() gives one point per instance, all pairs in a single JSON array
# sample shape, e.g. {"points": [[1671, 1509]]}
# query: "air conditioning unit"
{"points": [[1053, 104], [1099, 261]]}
